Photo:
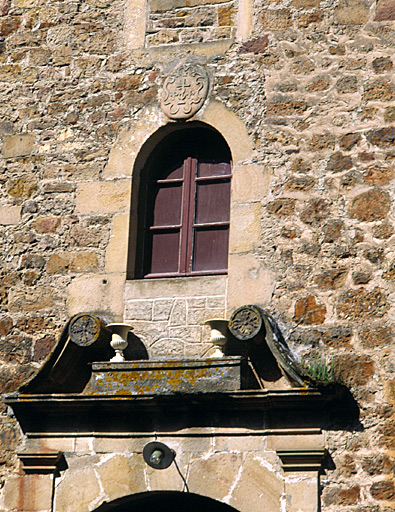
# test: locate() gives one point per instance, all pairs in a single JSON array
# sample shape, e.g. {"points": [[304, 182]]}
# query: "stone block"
{"points": [[370, 206], [250, 183], [250, 282], [117, 248], [176, 287], [279, 19], [173, 348], [71, 262], [296, 441], [10, 215], [283, 207], [31, 300], [120, 445], [178, 313], [28, 492], [361, 303], [309, 311], [244, 227], [383, 137], [162, 309], [231, 128], [78, 490], [44, 225], [130, 141], [97, 293], [122, 475], [302, 495], [139, 310], [351, 12], [18, 145], [167, 5], [103, 197], [385, 10], [258, 486], [215, 474]]}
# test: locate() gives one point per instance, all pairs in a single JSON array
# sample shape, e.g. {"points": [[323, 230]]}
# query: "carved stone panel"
{"points": [[184, 91]]}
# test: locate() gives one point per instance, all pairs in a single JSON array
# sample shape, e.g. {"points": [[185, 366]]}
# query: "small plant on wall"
{"points": [[321, 370]]}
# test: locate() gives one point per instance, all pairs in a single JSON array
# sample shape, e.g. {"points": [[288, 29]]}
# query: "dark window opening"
{"points": [[184, 206]]}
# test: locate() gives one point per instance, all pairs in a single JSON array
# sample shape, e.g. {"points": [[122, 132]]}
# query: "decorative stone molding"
{"points": [[184, 91], [42, 463], [301, 460]]}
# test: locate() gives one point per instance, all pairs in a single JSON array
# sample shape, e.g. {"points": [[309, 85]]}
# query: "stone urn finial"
{"points": [[218, 337], [119, 340]]}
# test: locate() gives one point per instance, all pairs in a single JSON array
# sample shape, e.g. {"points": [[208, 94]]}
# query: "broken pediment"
{"points": [[84, 384]]}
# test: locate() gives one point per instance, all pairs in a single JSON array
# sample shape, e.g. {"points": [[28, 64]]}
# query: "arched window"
{"points": [[184, 206]]}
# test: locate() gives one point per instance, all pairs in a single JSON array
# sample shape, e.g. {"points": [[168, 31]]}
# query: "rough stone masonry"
{"points": [[313, 83]]}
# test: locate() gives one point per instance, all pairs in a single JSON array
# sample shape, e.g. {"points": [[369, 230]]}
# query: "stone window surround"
{"points": [[136, 20], [106, 291]]}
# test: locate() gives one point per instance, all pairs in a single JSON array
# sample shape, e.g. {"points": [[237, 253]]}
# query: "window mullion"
{"points": [[184, 242], [188, 215]]}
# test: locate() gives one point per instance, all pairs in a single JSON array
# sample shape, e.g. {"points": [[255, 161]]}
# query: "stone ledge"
{"points": [[301, 460], [42, 463]]}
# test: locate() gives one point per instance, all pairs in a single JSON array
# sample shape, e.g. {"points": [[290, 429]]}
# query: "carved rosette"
{"points": [[184, 91], [245, 322]]}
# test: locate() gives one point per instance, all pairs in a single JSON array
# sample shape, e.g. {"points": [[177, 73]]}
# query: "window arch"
{"points": [[184, 206]]}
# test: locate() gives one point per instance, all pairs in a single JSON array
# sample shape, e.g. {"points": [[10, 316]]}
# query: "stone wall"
{"points": [[312, 85], [189, 22]]}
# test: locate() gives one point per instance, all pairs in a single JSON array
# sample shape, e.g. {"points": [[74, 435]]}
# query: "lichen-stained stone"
{"points": [[22, 187], [79, 490], [257, 488], [121, 475], [102, 197], [18, 145]]}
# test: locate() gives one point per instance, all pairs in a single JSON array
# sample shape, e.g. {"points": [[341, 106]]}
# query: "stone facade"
{"points": [[303, 92]]}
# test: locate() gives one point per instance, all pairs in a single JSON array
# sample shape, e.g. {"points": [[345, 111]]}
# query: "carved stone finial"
{"points": [[184, 91]]}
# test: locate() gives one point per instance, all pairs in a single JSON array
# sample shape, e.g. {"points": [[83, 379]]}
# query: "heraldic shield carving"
{"points": [[184, 91]]}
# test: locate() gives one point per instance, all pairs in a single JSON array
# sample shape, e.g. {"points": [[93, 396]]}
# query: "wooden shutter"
{"points": [[187, 206]]}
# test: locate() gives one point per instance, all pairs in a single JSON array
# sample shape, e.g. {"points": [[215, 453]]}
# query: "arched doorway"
{"points": [[165, 501]]}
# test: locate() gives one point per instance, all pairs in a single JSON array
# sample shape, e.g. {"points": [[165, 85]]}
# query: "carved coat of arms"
{"points": [[184, 91]]}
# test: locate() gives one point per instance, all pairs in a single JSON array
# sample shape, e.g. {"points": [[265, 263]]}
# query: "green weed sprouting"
{"points": [[321, 370]]}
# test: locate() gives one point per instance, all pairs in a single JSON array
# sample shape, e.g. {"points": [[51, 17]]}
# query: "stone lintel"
{"points": [[301, 460], [41, 463]]}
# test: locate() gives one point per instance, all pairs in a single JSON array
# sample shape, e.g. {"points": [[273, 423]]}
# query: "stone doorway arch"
{"points": [[165, 501]]}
